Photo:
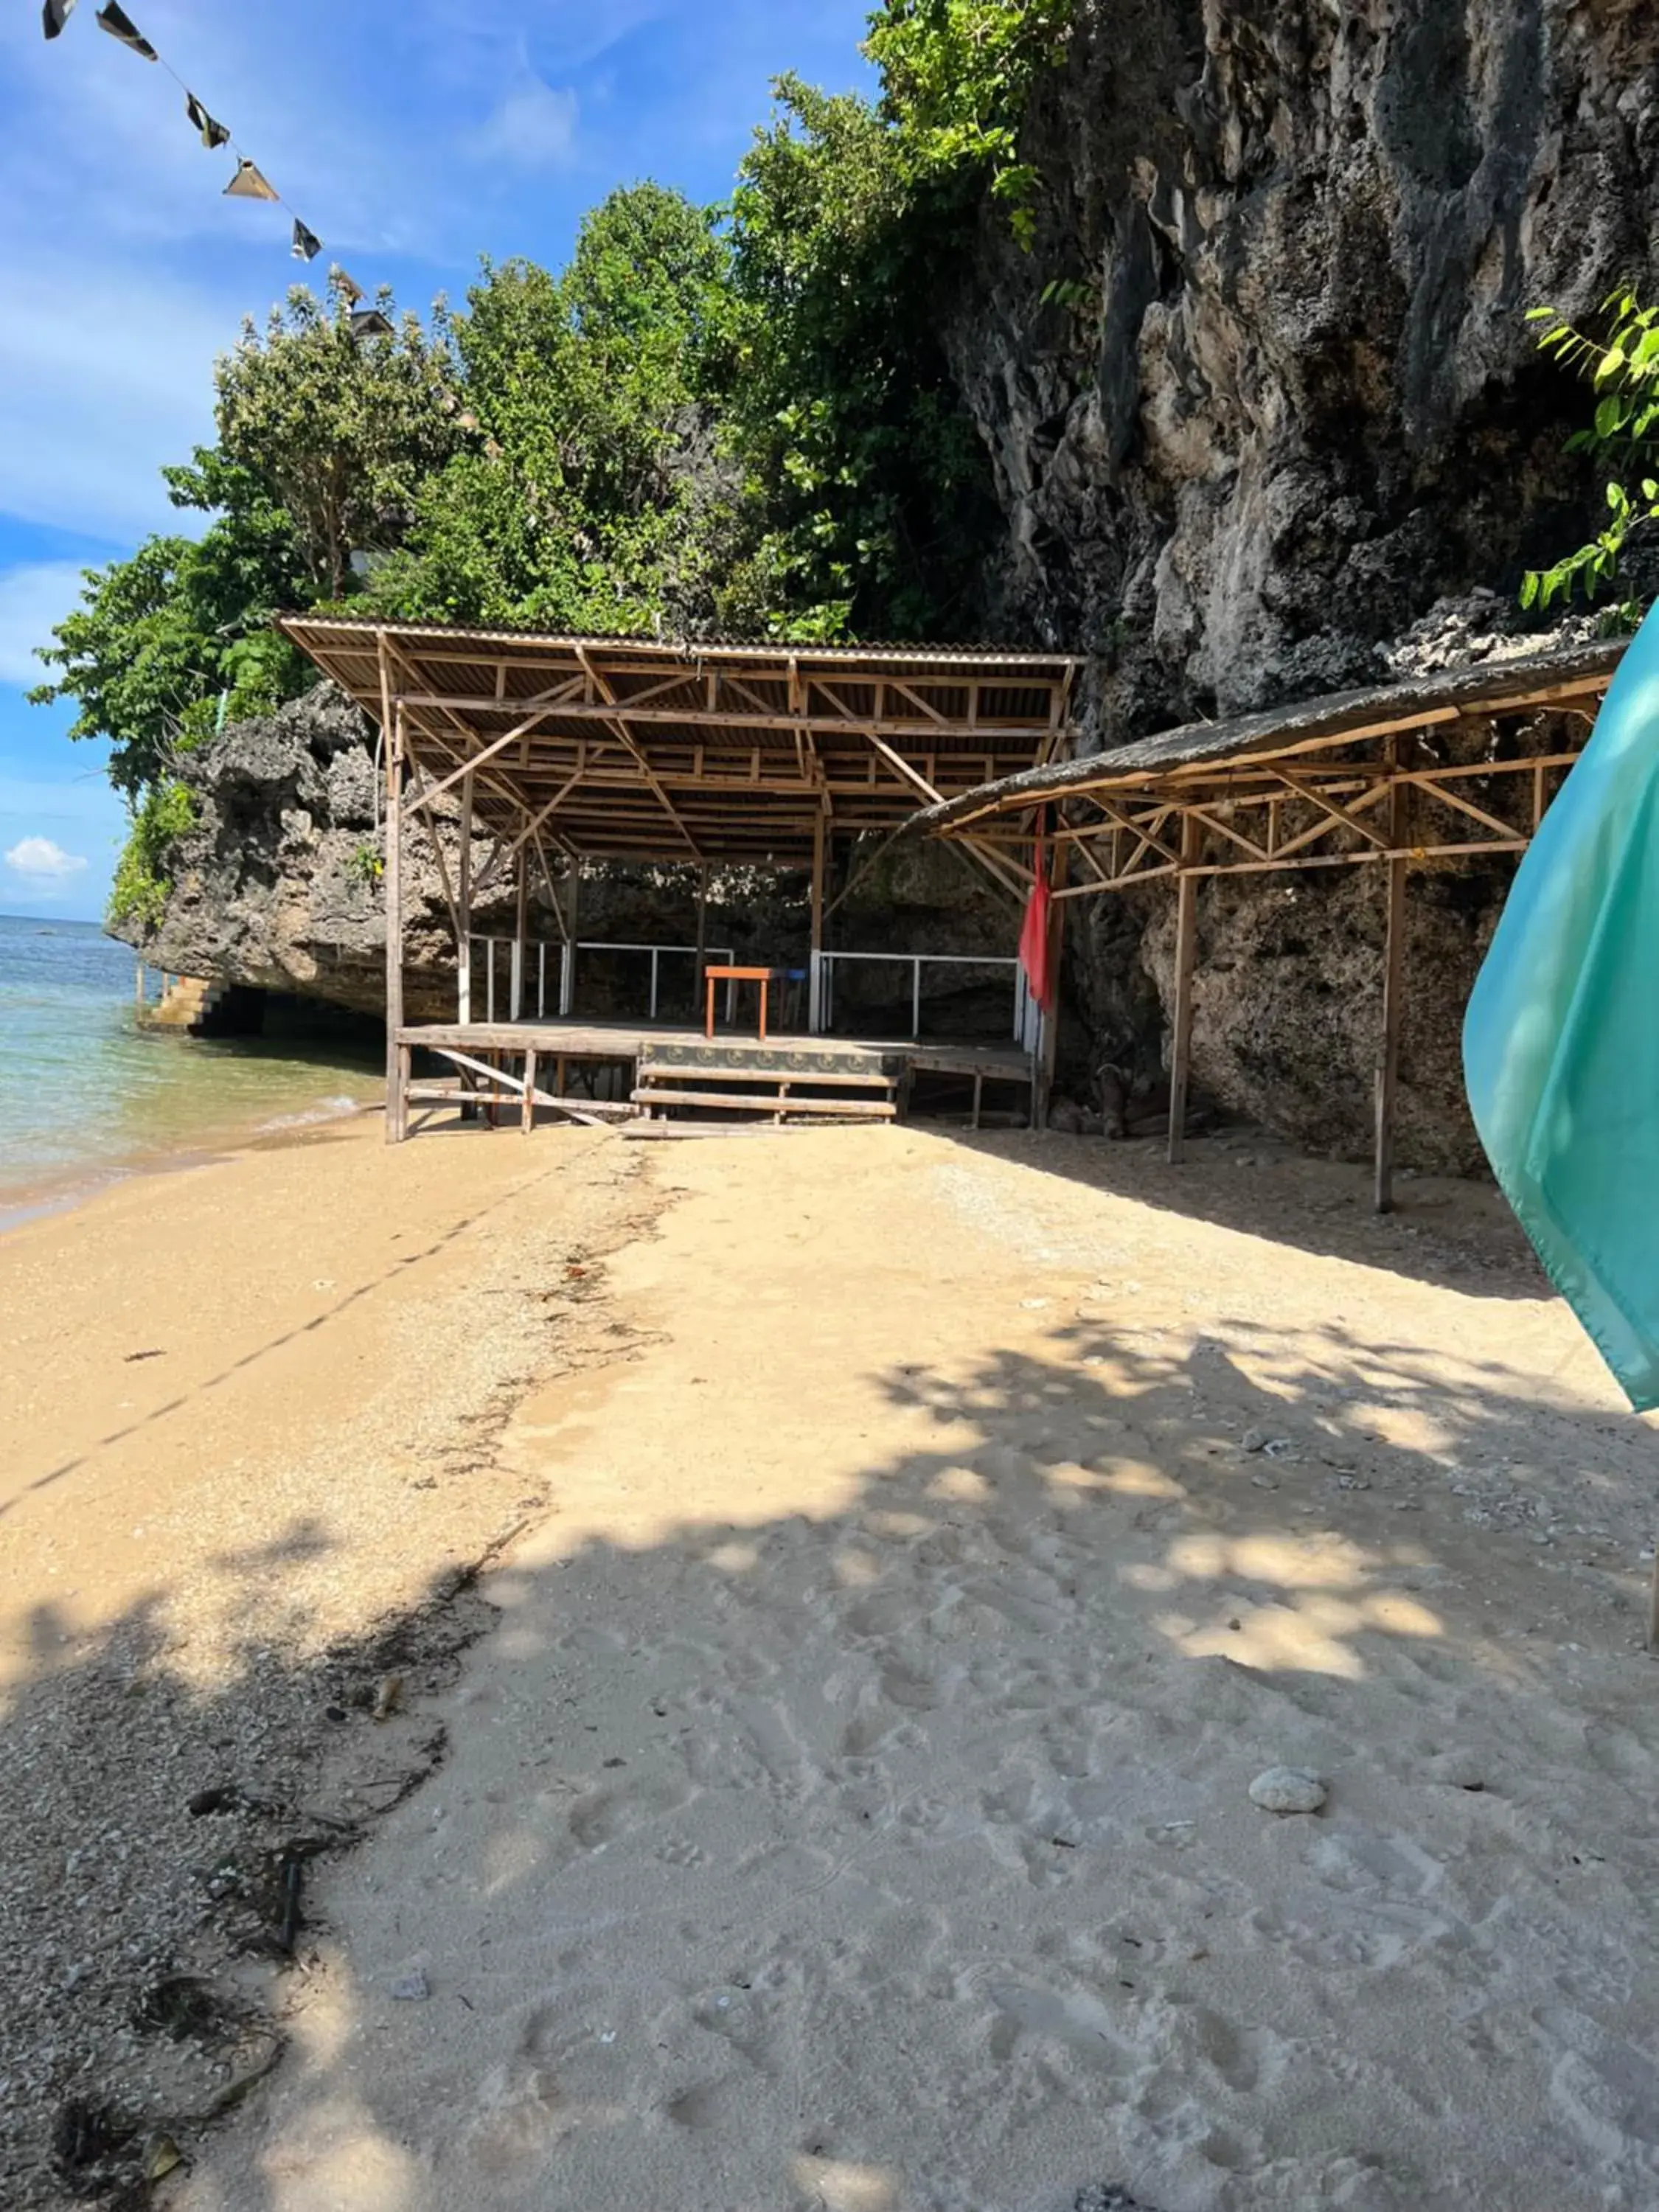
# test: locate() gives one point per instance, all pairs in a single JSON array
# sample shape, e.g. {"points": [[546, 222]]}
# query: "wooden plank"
{"points": [[529, 1120], [513, 1086], [671, 1071], [741, 1102]]}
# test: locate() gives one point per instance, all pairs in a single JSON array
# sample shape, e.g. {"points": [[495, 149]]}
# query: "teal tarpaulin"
{"points": [[1561, 1039]]}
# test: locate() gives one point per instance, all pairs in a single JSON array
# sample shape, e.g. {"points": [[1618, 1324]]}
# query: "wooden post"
{"points": [[1059, 858], [702, 934], [521, 932], [464, 908], [572, 930], [1394, 982], [529, 1122], [1181, 1041], [396, 1058], [818, 1013]]}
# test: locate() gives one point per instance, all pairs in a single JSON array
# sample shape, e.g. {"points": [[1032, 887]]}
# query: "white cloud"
{"points": [[43, 861], [534, 127], [32, 598]]}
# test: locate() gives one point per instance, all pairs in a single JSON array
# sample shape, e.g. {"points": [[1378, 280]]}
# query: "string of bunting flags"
{"points": [[249, 182]]}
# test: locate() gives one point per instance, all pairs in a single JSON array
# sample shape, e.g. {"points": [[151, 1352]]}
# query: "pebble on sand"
{"points": [[1287, 1789], [412, 1989]]}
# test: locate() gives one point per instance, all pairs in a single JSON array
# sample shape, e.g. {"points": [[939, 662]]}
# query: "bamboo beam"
{"points": [[1026, 732], [650, 777], [1181, 1041]]}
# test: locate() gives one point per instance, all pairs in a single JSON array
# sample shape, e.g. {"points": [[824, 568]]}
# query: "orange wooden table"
{"points": [[761, 975]]}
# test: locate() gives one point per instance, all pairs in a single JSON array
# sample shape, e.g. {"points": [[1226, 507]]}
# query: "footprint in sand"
{"points": [[1079, 2022], [605, 1816], [524, 2116]]}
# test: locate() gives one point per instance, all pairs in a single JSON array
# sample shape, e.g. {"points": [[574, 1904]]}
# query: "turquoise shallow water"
{"points": [[84, 1091]]}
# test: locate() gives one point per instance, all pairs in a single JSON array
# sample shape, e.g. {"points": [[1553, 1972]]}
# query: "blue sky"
{"points": [[411, 136]]}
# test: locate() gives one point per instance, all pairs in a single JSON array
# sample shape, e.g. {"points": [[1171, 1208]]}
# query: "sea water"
{"points": [[85, 1091]]}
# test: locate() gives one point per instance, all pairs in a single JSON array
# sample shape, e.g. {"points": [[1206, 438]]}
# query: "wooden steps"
{"points": [[778, 1093], [664, 1070], [185, 1005]]}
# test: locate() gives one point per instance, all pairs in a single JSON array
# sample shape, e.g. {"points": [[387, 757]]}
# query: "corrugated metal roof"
{"points": [[1379, 710], [695, 648]]}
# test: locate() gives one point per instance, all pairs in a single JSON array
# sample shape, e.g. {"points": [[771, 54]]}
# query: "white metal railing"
{"points": [[721, 953], [567, 974], [1027, 1015], [515, 979]]}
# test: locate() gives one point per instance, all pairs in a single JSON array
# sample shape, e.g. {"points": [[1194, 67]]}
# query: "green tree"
{"points": [[594, 488], [323, 441], [957, 77], [876, 489], [1623, 438], [338, 429], [184, 622]]}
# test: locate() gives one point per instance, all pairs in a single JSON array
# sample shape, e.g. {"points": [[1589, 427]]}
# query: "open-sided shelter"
{"points": [[559, 751], [1431, 771]]}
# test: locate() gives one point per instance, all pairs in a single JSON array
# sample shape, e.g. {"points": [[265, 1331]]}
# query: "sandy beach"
{"points": [[898, 1555]]}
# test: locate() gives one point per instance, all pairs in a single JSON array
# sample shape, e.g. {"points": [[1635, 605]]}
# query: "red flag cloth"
{"points": [[1034, 946]]}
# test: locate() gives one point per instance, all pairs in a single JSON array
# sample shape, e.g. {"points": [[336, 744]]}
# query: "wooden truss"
{"points": [[572, 749], [630, 750], [1428, 773]]}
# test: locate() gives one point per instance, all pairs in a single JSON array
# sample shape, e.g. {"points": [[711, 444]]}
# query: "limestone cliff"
{"points": [[1286, 395]]}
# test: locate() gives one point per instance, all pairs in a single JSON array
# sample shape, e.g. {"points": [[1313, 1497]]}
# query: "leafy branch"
{"points": [[1623, 435]]}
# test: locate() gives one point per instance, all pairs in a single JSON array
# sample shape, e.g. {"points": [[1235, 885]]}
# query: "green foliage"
{"points": [[1623, 436], [139, 892], [875, 487], [338, 431], [593, 489], [957, 75], [184, 621], [323, 440], [365, 865]]}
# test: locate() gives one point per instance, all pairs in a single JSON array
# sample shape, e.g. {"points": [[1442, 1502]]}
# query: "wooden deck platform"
{"points": [[607, 1071]]}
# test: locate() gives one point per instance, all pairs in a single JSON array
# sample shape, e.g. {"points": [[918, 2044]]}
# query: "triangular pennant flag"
{"points": [[54, 14], [213, 134], [370, 323], [343, 285], [248, 184], [1560, 1049], [307, 244], [119, 25]]}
